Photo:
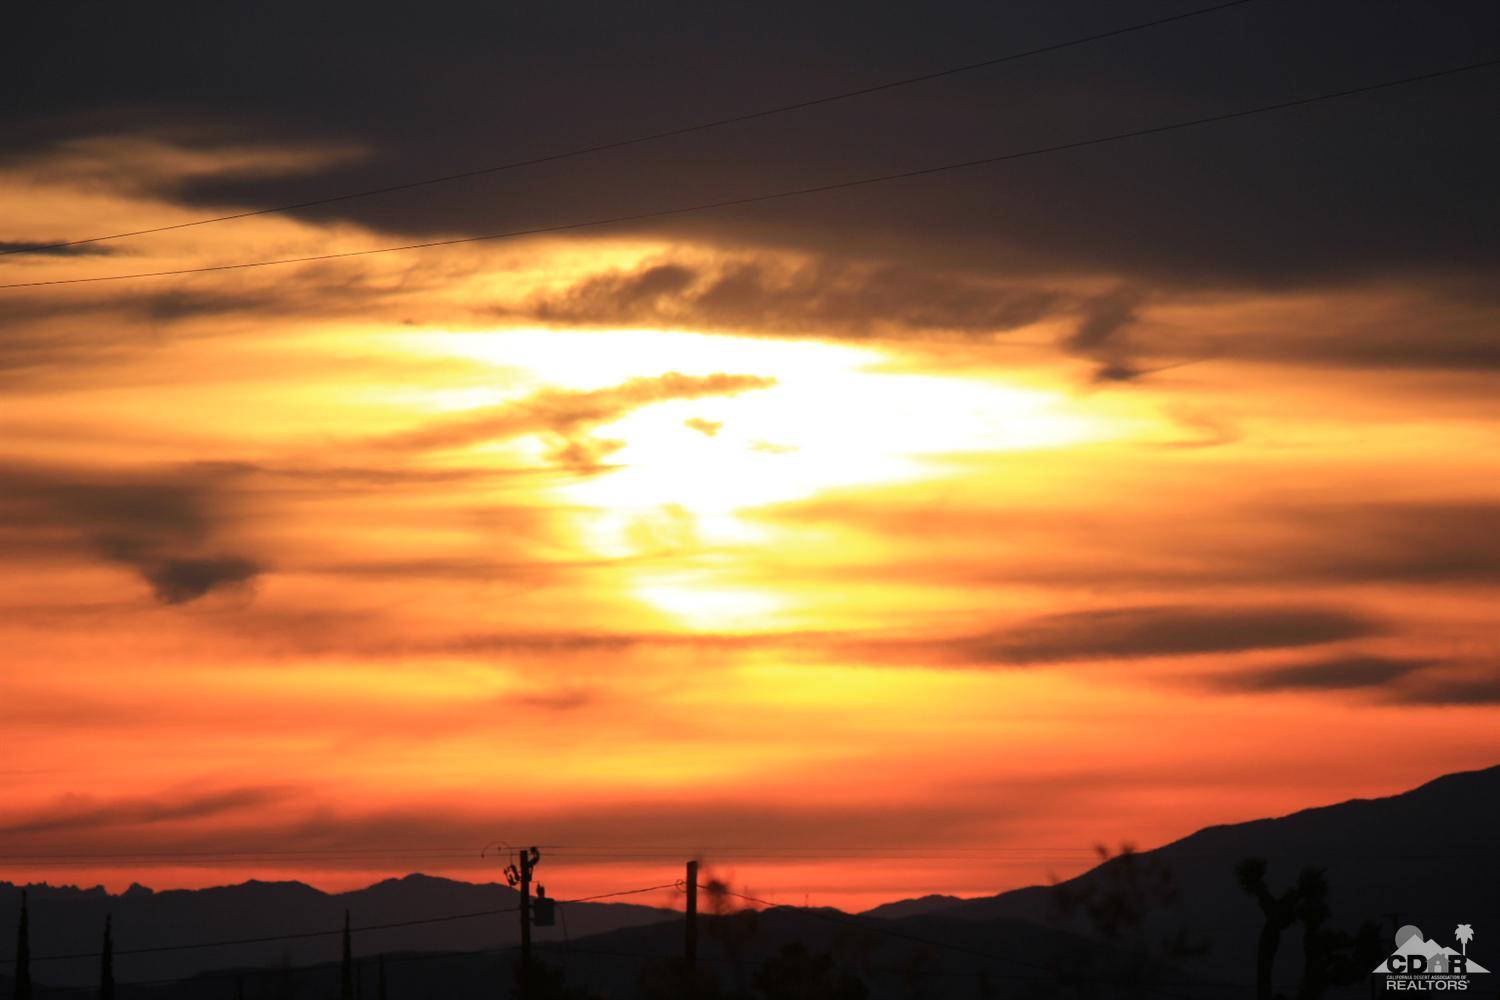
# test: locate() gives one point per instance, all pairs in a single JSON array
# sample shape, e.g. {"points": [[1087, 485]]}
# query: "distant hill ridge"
{"points": [[1427, 857], [68, 920]]}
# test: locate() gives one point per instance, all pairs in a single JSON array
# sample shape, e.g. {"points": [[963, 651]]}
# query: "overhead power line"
{"points": [[601, 147], [794, 192], [268, 939], [623, 892], [302, 935], [874, 926]]}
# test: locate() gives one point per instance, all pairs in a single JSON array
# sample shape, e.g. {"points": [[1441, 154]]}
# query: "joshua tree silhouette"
{"points": [[1131, 906], [1331, 957], [1279, 911]]}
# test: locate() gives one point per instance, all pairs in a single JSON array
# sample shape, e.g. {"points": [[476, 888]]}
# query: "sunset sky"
{"points": [[908, 538]]}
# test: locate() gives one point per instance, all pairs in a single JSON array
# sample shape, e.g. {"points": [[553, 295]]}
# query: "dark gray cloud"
{"points": [[1416, 542], [1393, 680], [1440, 325], [282, 818], [1116, 633], [81, 814], [1466, 691], [1385, 187], [1328, 674], [179, 580], [51, 338], [1135, 633], [1449, 542], [48, 248], [165, 525], [1101, 332], [310, 290], [1107, 334], [28, 348], [1473, 685], [1389, 182], [766, 294], [825, 296]]}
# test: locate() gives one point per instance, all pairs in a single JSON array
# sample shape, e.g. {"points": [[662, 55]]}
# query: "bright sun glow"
{"points": [[677, 473]]}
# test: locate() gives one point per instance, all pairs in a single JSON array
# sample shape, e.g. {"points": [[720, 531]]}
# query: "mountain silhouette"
{"points": [[1009, 957], [1426, 856], [917, 907], [68, 920]]}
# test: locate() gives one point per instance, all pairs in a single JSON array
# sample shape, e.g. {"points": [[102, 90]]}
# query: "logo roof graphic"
{"points": [[1411, 941]]}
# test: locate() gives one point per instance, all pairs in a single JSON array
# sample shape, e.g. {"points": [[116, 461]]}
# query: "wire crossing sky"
{"points": [[810, 102], [799, 192]]}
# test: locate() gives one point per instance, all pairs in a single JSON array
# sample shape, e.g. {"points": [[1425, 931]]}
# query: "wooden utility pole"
{"points": [[107, 964], [520, 878], [526, 864], [23, 954], [346, 965], [690, 940]]}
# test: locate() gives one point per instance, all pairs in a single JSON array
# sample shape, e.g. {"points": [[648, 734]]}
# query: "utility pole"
{"points": [[23, 953], [346, 965], [690, 940], [526, 864], [520, 877], [107, 964]]}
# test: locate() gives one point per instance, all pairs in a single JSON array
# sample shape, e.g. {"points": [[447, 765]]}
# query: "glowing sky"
{"points": [[857, 566]]}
